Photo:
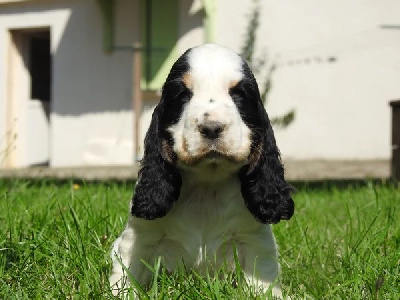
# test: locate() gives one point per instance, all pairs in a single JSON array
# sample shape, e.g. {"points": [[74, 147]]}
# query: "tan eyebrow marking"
{"points": [[233, 83], [187, 80]]}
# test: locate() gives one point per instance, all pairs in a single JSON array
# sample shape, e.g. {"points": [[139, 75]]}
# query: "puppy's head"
{"points": [[211, 123]]}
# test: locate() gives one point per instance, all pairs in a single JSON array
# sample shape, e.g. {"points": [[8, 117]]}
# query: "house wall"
{"points": [[91, 118], [336, 66], [191, 32]]}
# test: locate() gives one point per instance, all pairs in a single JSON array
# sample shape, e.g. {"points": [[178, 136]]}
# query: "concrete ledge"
{"points": [[84, 173], [337, 169], [309, 170]]}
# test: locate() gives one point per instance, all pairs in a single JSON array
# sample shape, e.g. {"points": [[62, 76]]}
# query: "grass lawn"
{"points": [[342, 243]]}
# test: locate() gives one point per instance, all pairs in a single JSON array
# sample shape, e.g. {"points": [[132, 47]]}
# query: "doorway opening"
{"points": [[30, 99]]}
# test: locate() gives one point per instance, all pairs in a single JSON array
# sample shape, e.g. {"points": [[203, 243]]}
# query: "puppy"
{"points": [[211, 177]]}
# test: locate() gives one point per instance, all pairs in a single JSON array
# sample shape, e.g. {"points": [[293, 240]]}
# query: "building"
{"points": [[337, 65]]}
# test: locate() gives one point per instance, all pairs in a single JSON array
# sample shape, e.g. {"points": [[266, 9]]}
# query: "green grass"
{"points": [[342, 243]]}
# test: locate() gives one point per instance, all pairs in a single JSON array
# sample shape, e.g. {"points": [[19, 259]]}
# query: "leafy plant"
{"points": [[259, 63], [7, 145]]}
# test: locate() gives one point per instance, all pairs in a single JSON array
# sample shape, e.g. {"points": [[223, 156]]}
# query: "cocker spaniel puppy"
{"points": [[211, 176]]}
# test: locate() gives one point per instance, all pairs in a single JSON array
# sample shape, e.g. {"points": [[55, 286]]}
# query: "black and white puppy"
{"points": [[211, 176]]}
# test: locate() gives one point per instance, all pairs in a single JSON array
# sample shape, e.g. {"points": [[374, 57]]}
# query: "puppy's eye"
{"points": [[241, 93], [237, 92], [183, 92], [176, 90]]}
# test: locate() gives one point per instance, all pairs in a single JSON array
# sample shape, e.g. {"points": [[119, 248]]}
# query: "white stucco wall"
{"points": [[231, 22], [91, 119], [190, 31], [336, 67]]}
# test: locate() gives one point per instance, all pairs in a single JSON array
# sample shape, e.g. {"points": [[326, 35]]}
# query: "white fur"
{"points": [[200, 229], [212, 70], [210, 215]]}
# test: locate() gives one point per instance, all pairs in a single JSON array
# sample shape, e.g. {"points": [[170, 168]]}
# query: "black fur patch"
{"points": [[265, 192], [159, 182]]}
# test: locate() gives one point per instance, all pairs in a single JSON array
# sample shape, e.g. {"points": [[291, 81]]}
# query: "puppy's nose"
{"points": [[211, 129]]}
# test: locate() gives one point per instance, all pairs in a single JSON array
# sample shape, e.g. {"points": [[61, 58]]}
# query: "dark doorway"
{"points": [[39, 61], [30, 97]]}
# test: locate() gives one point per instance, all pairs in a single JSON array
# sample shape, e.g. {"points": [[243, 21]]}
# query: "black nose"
{"points": [[211, 129]]}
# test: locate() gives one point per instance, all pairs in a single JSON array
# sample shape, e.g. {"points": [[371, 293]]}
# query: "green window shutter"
{"points": [[161, 54]]}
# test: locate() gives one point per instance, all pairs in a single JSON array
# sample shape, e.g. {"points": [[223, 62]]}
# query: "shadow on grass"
{"points": [[341, 184], [298, 184], [31, 182]]}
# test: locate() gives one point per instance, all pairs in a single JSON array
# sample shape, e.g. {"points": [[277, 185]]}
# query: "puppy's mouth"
{"points": [[213, 155]]}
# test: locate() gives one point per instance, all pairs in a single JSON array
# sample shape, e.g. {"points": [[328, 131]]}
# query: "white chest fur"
{"points": [[206, 224], [200, 230], [203, 225]]}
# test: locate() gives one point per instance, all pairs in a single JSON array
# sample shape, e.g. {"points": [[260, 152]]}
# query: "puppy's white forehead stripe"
{"points": [[215, 64]]}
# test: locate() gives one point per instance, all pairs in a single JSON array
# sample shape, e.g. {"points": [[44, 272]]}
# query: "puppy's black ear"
{"points": [[159, 181], [266, 193]]}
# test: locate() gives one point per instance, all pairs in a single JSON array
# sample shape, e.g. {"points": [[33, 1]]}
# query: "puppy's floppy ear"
{"points": [[159, 181], [266, 193]]}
